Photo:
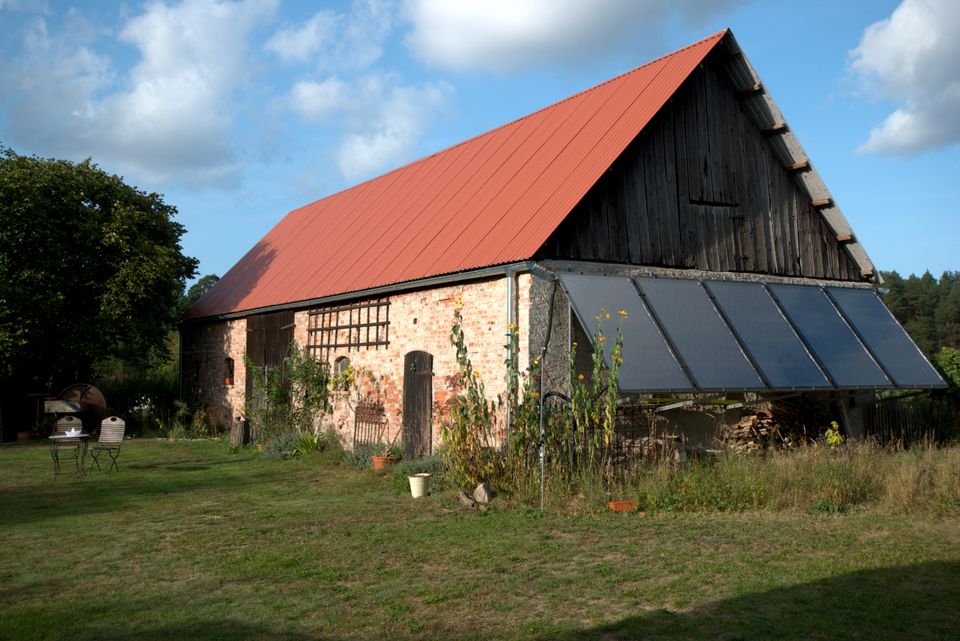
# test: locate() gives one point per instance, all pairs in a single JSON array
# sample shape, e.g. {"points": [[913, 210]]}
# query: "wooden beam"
{"points": [[749, 91], [868, 272], [776, 128], [799, 166], [844, 238], [820, 203]]}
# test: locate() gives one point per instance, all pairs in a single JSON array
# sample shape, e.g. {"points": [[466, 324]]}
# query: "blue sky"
{"points": [[241, 111]]}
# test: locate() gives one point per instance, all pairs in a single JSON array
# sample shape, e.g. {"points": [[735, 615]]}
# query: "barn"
{"points": [[676, 192]]}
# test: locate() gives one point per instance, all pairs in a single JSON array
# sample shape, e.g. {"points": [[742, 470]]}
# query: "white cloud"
{"points": [[912, 57], [499, 35], [317, 101], [378, 118], [39, 6], [171, 115], [390, 134], [348, 40], [300, 44]]}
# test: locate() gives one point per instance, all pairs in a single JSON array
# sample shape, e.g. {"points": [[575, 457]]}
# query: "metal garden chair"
{"points": [[74, 446], [111, 438]]}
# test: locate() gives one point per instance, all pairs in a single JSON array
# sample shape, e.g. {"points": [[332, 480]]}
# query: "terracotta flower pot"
{"points": [[26, 436], [381, 463], [623, 506]]}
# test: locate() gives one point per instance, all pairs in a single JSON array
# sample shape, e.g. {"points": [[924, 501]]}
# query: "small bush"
{"points": [[281, 446], [359, 457]]}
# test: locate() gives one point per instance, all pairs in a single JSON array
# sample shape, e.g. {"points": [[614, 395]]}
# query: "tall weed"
{"points": [[861, 475]]}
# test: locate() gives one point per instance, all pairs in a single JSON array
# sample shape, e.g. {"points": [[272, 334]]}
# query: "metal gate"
{"points": [[417, 404], [370, 423]]}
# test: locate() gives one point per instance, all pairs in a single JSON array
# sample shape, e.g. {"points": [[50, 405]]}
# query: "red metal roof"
{"points": [[491, 200]]}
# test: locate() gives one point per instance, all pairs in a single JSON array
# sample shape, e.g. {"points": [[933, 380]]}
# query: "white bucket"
{"points": [[419, 484]]}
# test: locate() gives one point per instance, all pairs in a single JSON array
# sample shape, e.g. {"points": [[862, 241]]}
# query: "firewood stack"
{"points": [[764, 430]]}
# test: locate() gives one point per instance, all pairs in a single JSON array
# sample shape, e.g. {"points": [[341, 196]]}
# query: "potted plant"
{"points": [[386, 455]]}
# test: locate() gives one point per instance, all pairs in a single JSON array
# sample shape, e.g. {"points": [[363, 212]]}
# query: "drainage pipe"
{"points": [[511, 275]]}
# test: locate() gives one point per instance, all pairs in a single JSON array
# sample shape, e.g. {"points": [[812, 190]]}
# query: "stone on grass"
{"points": [[483, 494], [466, 500]]}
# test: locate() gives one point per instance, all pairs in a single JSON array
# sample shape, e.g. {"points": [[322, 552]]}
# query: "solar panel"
{"points": [[705, 343], [885, 338], [648, 364], [767, 335], [829, 336]]}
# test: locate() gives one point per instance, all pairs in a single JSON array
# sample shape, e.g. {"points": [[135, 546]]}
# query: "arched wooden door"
{"points": [[417, 404]]}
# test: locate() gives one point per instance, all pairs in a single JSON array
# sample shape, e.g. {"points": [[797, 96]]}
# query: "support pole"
{"points": [[543, 367]]}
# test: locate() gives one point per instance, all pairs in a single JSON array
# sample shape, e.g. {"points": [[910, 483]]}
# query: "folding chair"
{"points": [[111, 438], [75, 446]]}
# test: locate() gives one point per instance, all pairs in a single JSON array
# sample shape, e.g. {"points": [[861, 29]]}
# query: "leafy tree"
{"points": [[91, 269], [928, 308], [198, 289]]}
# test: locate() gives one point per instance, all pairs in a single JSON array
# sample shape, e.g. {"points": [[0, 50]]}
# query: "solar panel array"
{"points": [[684, 335]]}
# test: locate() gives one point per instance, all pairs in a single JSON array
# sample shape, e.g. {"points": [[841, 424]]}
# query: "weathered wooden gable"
{"points": [[701, 188]]}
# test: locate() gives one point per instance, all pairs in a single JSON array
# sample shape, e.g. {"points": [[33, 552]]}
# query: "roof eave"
{"points": [[393, 288]]}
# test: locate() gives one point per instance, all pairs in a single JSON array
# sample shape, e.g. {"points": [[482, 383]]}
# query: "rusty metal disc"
{"points": [[91, 401]]}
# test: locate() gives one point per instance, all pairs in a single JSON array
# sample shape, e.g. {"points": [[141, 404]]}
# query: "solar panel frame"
{"points": [[774, 345], [643, 342], [830, 337], [709, 348], [891, 346]]}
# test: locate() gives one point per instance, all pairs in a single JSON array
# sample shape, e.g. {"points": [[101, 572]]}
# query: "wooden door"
{"points": [[417, 404], [268, 343]]}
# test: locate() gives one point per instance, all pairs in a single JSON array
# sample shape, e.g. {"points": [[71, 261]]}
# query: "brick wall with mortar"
{"points": [[205, 348], [421, 321]]}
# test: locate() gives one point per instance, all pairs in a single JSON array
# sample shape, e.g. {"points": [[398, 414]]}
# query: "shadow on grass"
{"points": [[227, 630], [917, 602], [103, 493]]}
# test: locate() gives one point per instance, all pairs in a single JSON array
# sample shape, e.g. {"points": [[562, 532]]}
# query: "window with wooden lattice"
{"points": [[355, 326]]}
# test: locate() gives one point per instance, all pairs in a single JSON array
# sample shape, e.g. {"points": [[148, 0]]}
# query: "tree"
{"points": [[928, 308], [198, 289], [90, 269]]}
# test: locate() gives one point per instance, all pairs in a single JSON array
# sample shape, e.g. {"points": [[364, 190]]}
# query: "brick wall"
{"points": [[205, 350], [419, 320]]}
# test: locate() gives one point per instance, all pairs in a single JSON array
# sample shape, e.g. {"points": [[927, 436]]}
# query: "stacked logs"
{"points": [[764, 430]]}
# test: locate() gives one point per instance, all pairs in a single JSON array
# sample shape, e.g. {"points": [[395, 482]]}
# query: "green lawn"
{"points": [[189, 541]]}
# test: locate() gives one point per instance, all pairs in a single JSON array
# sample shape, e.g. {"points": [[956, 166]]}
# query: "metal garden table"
{"points": [[56, 443]]}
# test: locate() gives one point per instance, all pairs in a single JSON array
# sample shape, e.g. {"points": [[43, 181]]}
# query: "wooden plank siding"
{"points": [[268, 342], [701, 188]]}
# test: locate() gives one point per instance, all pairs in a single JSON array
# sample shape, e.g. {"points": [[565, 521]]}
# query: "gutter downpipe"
{"points": [[511, 274], [543, 367]]}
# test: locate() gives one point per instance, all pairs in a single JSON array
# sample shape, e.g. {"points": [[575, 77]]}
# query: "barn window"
{"points": [[228, 371], [355, 326], [340, 365]]}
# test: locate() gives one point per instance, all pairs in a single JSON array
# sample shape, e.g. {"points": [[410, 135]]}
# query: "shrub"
{"points": [[292, 398], [359, 457], [281, 446]]}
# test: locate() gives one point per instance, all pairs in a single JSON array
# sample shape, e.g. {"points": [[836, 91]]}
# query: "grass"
{"points": [[190, 541]]}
